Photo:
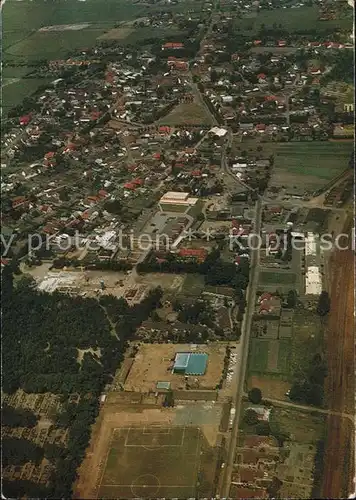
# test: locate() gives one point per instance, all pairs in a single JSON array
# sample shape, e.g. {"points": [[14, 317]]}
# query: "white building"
{"points": [[174, 200]]}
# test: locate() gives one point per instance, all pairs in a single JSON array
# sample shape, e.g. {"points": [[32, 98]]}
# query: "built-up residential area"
{"points": [[177, 250]]}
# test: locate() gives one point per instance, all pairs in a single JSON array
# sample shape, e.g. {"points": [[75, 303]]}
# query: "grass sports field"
{"points": [[308, 165], [152, 462]]}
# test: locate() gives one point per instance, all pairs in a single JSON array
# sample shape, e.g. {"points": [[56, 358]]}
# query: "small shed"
{"points": [[163, 386]]}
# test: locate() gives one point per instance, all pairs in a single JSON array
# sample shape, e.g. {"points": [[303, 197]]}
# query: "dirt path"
{"points": [[339, 450]]}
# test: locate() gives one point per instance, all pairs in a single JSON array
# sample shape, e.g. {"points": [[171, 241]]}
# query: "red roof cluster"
{"points": [[164, 129], [173, 45], [25, 120], [196, 253]]}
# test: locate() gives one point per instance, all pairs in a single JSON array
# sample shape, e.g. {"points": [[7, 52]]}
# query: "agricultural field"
{"points": [[271, 361], [23, 42], [307, 167], [152, 462], [340, 382], [305, 18]]}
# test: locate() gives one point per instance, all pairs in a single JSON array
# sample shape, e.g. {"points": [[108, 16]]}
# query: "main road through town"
{"points": [[244, 342]]}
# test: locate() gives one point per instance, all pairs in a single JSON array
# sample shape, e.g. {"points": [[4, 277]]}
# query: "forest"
{"points": [[41, 337]]}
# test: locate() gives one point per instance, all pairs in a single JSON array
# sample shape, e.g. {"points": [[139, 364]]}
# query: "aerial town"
{"points": [[177, 249]]}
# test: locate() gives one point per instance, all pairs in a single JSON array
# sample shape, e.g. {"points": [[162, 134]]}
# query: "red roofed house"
{"points": [[183, 65], [198, 254], [70, 147], [46, 209], [260, 127], [261, 76], [157, 156], [173, 45], [282, 43], [164, 130], [265, 296], [93, 199], [49, 155], [18, 201], [270, 98], [137, 182], [25, 120], [130, 185], [196, 173], [102, 193], [95, 115], [315, 71], [257, 42]]}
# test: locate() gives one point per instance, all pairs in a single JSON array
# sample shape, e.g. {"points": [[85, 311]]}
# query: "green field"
{"points": [[307, 339], [305, 18], [14, 93], [258, 355], [308, 165], [193, 284], [153, 462], [277, 278], [188, 114], [284, 355]]}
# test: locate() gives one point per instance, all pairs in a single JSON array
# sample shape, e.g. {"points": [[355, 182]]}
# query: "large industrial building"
{"points": [[313, 277], [187, 363], [174, 201]]}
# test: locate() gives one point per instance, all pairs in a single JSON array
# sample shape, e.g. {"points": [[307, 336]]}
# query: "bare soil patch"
{"points": [[154, 362]]}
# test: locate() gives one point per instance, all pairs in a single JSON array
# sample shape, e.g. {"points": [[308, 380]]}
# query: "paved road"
{"points": [[244, 342], [311, 409]]}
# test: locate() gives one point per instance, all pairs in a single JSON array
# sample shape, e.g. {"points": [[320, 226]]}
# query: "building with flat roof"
{"points": [[187, 363], [176, 201]]}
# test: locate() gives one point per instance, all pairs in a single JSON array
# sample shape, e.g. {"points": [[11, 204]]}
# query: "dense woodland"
{"points": [[41, 337]]}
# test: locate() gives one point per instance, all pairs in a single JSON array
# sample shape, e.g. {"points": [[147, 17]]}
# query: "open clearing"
{"points": [[309, 165], [187, 114], [117, 34], [152, 462], [271, 386], [64, 27], [153, 363]]}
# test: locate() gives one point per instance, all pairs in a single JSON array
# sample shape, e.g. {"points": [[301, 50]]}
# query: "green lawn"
{"points": [[308, 165], [193, 284], [284, 354], [277, 278], [258, 355]]}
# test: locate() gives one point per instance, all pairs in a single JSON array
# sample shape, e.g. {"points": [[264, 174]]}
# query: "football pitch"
{"points": [[152, 462]]}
